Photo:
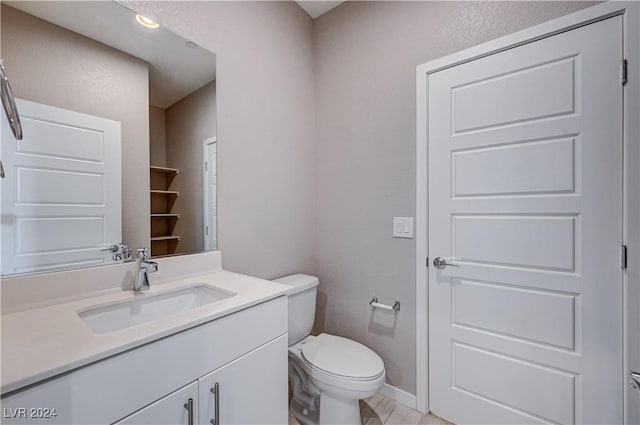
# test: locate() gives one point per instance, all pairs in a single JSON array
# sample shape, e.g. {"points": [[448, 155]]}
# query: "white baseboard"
{"points": [[399, 396]]}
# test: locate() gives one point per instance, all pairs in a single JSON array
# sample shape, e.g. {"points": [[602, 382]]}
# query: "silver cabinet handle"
{"points": [[189, 406], [216, 399], [635, 379], [441, 263]]}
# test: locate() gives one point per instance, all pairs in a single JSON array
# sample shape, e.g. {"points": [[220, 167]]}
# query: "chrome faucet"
{"points": [[146, 267]]}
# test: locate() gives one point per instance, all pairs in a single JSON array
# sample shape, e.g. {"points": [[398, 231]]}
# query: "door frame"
{"points": [[631, 171], [205, 195]]}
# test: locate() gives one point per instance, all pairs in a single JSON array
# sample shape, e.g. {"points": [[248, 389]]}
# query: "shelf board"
{"points": [[176, 216], [163, 170], [165, 238], [165, 192]]}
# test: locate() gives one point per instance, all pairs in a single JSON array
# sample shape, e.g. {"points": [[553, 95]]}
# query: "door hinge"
{"points": [[206, 166], [623, 256], [206, 230], [427, 262], [624, 72]]}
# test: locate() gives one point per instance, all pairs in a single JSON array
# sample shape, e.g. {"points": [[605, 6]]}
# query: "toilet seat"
{"points": [[341, 358]]}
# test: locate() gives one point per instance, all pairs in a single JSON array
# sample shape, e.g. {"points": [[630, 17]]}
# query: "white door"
{"points": [[61, 197], [210, 195], [525, 201], [251, 390]]}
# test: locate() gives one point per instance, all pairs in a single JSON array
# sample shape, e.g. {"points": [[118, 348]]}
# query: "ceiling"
{"points": [[317, 8], [175, 70]]}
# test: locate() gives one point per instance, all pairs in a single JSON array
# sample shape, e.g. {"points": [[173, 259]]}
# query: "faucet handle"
{"points": [[143, 254], [124, 251]]}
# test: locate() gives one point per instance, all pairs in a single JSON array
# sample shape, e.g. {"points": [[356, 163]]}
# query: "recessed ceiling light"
{"points": [[146, 22], [191, 44]]}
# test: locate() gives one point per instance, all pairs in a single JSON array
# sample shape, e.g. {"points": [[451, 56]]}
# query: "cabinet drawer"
{"points": [[111, 389]]}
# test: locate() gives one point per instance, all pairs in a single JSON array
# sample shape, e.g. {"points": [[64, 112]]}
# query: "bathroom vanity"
{"points": [[222, 362]]}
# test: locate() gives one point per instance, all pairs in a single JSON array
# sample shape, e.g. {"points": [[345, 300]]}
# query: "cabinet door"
{"points": [[170, 410], [251, 389]]}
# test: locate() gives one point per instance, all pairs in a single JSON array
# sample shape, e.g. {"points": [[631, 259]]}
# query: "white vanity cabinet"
{"points": [[246, 391], [244, 352]]}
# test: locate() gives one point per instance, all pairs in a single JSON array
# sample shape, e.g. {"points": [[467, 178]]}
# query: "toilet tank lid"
{"points": [[298, 282]]}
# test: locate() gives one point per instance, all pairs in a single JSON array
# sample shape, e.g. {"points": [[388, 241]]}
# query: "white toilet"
{"points": [[329, 373]]}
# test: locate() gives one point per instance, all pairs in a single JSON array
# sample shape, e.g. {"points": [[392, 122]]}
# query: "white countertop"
{"points": [[40, 343]]}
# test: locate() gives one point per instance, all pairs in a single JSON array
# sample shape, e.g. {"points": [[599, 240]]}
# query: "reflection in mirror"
{"points": [[119, 146]]}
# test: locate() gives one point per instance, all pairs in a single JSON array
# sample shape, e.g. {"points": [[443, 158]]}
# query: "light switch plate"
{"points": [[403, 227]]}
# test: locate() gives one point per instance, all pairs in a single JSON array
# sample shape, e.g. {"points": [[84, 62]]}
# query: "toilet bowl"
{"points": [[329, 373], [341, 372]]}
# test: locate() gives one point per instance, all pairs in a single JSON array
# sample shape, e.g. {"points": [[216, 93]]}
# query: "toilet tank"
{"points": [[302, 304]]}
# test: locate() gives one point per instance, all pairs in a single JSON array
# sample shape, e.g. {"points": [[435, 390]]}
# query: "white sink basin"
{"points": [[146, 308]]}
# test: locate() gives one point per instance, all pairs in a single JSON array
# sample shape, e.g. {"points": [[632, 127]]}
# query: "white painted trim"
{"points": [[537, 32], [421, 232], [630, 11], [205, 192], [399, 396], [631, 211]]}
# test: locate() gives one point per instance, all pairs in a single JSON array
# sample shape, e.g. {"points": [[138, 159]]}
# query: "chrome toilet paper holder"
{"points": [[375, 304]]}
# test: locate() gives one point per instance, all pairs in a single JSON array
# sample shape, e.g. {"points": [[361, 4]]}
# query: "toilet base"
{"points": [[304, 405], [337, 410]]}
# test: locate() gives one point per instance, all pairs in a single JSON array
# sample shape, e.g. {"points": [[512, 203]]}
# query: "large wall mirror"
{"points": [[119, 145]]}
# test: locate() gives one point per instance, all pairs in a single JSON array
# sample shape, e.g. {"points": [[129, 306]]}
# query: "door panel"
{"points": [[554, 96], [525, 201], [539, 167], [475, 374], [472, 301], [498, 239]]}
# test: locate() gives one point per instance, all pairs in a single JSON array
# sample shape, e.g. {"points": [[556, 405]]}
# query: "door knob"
{"points": [[441, 263]]}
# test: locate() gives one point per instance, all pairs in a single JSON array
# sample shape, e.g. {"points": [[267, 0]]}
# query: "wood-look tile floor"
{"points": [[380, 410]]}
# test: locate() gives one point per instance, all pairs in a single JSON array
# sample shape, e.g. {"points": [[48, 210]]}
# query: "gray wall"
{"points": [[157, 137], [189, 122], [264, 73], [365, 63], [51, 65]]}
